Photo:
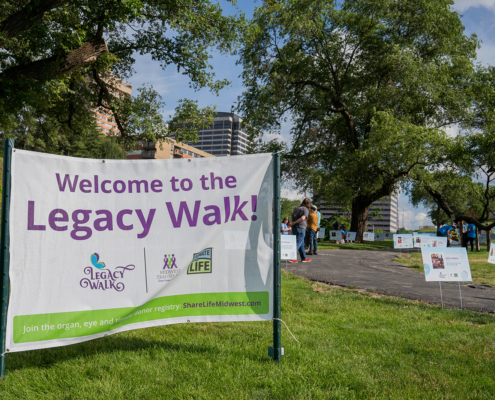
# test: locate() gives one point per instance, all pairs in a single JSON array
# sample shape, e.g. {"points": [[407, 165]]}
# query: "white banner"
{"points": [[99, 247], [403, 241], [446, 265], [321, 234], [288, 247], [491, 255], [369, 236], [351, 236]]}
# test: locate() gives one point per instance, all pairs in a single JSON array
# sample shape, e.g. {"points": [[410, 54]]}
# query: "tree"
{"points": [[67, 53], [366, 84], [287, 206]]}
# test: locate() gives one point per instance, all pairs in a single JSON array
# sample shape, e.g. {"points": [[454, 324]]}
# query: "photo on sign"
{"points": [[437, 261], [334, 234], [418, 239], [434, 243], [399, 240]]}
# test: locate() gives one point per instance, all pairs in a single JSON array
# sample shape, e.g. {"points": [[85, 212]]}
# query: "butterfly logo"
{"points": [[442, 275], [94, 260]]}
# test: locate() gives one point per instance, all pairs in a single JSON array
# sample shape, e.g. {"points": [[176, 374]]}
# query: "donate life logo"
{"points": [[201, 262], [103, 279]]}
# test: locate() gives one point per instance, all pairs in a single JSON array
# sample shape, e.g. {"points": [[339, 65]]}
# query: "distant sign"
{"points": [[438, 242], [446, 265], [389, 236], [491, 255], [351, 236], [482, 238], [403, 241], [335, 235], [288, 247], [379, 236], [321, 234], [422, 241], [369, 236]]}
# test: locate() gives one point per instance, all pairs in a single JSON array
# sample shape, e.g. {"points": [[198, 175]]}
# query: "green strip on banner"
{"points": [[38, 327]]}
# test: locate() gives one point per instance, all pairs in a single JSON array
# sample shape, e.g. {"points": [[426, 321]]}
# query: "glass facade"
{"points": [[224, 138]]}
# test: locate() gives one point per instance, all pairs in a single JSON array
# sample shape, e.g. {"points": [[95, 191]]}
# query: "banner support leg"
{"points": [[8, 145], [460, 293], [277, 351], [441, 296]]}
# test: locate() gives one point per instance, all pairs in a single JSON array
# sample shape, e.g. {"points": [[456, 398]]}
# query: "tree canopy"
{"points": [[367, 84]]}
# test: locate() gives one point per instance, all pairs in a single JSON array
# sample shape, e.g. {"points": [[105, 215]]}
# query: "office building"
{"points": [[225, 137], [387, 219], [104, 117], [167, 150]]}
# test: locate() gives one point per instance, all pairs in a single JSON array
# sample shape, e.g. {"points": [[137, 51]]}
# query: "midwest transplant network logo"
{"points": [[201, 262], [103, 279], [169, 270]]}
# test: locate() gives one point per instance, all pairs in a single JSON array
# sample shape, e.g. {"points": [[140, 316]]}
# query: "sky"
{"points": [[478, 16]]}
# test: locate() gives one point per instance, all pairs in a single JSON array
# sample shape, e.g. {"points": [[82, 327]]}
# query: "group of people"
{"points": [[469, 232], [304, 223]]}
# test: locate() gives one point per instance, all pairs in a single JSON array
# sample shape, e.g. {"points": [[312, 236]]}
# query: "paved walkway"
{"points": [[374, 270]]}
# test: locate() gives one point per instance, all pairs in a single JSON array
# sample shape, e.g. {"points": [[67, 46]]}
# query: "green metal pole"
{"points": [[8, 145], [277, 350]]}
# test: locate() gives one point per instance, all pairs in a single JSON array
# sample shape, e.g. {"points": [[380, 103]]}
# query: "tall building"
{"points": [[387, 219], [104, 117], [225, 137], [168, 150]]}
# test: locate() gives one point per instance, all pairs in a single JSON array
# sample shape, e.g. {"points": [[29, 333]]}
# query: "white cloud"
{"points": [[292, 194], [452, 130], [463, 5]]}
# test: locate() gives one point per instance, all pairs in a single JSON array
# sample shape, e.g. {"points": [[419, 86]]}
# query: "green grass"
{"points": [[384, 244], [481, 270], [353, 345]]}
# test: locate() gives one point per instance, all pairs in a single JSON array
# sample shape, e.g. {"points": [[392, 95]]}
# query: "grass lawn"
{"points": [[482, 271], [384, 244], [353, 345]]}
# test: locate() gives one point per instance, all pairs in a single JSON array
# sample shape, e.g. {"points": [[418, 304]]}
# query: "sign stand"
{"points": [[8, 145], [441, 297], [277, 351], [460, 293]]}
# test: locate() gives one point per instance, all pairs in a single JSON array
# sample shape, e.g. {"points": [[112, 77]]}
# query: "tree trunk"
{"points": [[461, 234], [438, 217], [359, 218]]}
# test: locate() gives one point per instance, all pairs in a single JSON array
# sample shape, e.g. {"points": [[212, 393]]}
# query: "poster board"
{"points": [[438, 242], [380, 236], [482, 238], [403, 241], [132, 244], [491, 254], [369, 236], [321, 234], [422, 241], [446, 265], [351, 236], [335, 235], [389, 236], [288, 247]]}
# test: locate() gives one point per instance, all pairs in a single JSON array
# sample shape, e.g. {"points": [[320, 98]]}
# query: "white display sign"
{"points": [[99, 247], [351, 236], [482, 238], [335, 235], [422, 241], [288, 247], [491, 255], [379, 236], [446, 264], [438, 242], [389, 236], [321, 234], [369, 236], [403, 241]]}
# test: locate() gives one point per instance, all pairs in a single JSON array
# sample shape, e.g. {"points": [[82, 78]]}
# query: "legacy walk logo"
{"points": [[103, 279], [201, 262], [169, 270]]}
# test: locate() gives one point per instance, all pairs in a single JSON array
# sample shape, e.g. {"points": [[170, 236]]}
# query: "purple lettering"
{"points": [[96, 183], [217, 219], [103, 189], [238, 209], [120, 222], [77, 225], [107, 219], [174, 181], [203, 180], [226, 202], [145, 223], [72, 186], [156, 186], [84, 185], [183, 184], [138, 186], [122, 186], [183, 208], [230, 182], [52, 219], [213, 178], [31, 225]]}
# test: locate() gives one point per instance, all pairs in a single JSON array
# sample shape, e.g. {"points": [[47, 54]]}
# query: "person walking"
{"points": [[299, 223], [284, 229], [470, 236], [313, 230], [445, 231]]}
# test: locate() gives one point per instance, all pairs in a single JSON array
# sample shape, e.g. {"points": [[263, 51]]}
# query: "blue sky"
{"points": [[478, 17]]}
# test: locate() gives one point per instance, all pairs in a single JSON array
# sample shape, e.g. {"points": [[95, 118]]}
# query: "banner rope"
{"points": [[3, 354], [278, 319]]}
